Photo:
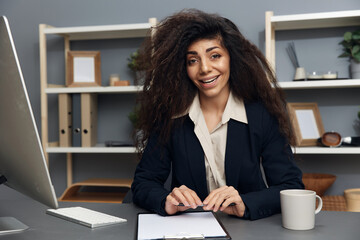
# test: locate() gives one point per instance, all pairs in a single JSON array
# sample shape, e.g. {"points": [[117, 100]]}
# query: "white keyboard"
{"points": [[84, 216]]}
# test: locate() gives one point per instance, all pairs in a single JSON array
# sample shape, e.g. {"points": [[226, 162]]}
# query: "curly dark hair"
{"points": [[168, 91]]}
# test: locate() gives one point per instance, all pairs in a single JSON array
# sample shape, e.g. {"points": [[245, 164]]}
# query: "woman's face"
{"points": [[208, 66]]}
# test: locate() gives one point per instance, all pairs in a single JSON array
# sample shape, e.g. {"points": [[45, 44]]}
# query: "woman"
{"points": [[210, 116]]}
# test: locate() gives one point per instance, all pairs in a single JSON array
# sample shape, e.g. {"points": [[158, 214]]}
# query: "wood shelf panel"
{"points": [[74, 193]]}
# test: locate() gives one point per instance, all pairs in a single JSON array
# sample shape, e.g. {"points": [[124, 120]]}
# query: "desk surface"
{"points": [[329, 225]]}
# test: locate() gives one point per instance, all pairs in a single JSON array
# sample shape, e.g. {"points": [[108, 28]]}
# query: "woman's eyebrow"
{"points": [[212, 48], [207, 50]]}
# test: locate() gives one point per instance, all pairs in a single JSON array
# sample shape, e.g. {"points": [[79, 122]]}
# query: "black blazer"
{"points": [[248, 147]]}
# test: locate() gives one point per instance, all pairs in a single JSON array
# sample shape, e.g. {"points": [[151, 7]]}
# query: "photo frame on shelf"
{"points": [[306, 123], [83, 69]]}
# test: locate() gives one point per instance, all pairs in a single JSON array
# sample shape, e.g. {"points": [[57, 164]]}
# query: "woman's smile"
{"points": [[209, 82]]}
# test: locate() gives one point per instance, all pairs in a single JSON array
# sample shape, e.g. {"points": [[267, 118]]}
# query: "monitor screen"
{"points": [[22, 162]]}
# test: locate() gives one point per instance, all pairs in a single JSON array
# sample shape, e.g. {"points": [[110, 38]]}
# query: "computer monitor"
{"points": [[22, 161]]}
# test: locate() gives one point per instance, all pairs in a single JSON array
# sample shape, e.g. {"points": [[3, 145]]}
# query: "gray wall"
{"points": [[317, 50]]}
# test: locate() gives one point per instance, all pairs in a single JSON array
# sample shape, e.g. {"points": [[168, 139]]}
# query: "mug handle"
{"points": [[318, 209]]}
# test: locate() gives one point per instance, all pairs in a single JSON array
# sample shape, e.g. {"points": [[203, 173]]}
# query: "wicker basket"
{"points": [[318, 182], [352, 197]]}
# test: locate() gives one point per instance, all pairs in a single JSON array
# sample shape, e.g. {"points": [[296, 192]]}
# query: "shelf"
{"points": [[97, 190], [325, 150], [316, 20], [55, 89], [69, 34], [321, 84], [137, 30], [97, 149]]}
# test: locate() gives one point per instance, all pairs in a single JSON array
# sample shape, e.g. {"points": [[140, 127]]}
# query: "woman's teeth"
{"points": [[210, 80]]}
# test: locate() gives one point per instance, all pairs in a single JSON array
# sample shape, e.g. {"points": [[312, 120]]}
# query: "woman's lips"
{"points": [[209, 82]]}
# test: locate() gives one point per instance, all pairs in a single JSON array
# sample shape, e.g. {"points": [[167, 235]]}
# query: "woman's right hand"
{"points": [[182, 195]]}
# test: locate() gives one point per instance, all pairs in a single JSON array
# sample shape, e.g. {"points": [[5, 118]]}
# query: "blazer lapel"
{"points": [[235, 145], [195, 156]]}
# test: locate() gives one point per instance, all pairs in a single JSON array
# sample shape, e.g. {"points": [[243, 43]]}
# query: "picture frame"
{"points": [[306, 123], [83, 69]]}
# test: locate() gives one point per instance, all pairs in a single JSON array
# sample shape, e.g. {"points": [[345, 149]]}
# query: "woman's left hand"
{"points": [[221, 198]]}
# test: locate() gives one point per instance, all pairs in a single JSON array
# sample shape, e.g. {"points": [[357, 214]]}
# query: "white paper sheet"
{"points": [[307, 122], [84, 69], [154, 226]]}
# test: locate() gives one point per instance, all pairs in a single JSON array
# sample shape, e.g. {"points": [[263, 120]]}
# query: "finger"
{"points": [[211, 202], [191, 196], [197, 199], [179, 196], [213, 193], [218, 196], [237, 210], [172, 200], [233, 198], [171, 205], [222, 197], [228, 202]]}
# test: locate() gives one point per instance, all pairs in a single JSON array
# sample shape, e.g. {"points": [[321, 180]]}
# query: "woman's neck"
{"points": [[213, 108], [214, 104]]}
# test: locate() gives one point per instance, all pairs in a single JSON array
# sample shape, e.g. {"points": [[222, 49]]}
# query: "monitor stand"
{"points": [[9, 224]]}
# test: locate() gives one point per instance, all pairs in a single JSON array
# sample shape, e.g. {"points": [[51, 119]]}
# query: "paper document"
{"points": [[186, 225]]}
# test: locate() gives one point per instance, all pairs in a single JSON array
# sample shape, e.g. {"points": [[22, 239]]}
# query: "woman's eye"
{"points": [[192, 61], [214, 56]]}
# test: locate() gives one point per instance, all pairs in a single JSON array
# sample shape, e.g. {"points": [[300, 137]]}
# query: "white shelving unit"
{"points": [[139, 30], [61, 89], [96, 149], [311, 21], [321, 84], [324, 150], [316, 20]]}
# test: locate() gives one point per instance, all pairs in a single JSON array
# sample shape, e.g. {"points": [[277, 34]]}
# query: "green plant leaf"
{"points": [[351, 45], [357, 57], [356, 35], [348, 36], [355, 49], [345, 54], [346, 44]]}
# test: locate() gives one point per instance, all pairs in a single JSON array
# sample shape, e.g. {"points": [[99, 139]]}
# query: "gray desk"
{"points": [[329, 225]]}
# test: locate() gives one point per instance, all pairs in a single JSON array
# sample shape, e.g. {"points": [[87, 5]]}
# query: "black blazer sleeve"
{"points": [[280, 170], [150, 175]]}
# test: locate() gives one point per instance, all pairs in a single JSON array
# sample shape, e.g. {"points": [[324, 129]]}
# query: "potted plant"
{"points": [[135, 67], [351, 48], [134, 116]]}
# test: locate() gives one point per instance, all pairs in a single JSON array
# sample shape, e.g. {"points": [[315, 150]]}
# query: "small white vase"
{"points": [[355, 69]]}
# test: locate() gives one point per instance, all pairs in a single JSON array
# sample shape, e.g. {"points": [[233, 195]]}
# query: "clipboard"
{"points": [[187, 225]]}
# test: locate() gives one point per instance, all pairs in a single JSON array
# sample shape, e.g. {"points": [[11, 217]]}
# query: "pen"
{"points": [[203, 205]]}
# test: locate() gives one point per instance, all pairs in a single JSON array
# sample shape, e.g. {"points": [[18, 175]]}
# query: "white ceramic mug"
{"points": [[298, 208]]}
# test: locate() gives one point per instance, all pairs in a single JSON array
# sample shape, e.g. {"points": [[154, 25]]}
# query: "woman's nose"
{"points": [[205, 66]]}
